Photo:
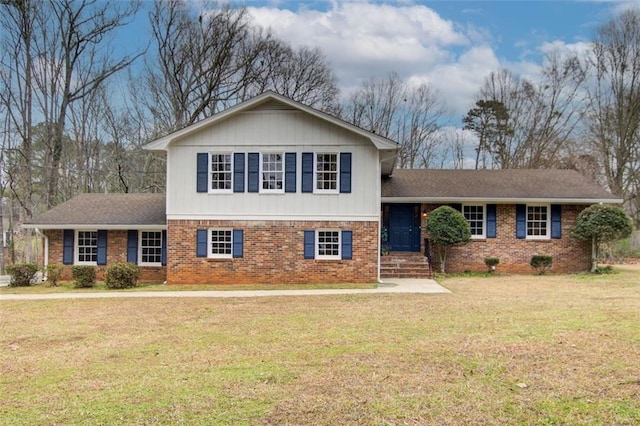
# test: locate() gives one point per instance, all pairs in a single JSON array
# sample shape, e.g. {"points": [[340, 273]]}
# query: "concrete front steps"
{"points": [[405, 265]]}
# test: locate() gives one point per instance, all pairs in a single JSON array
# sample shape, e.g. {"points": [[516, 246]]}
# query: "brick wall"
{"points": [[273, 254], [116, 252], [569, 254]]}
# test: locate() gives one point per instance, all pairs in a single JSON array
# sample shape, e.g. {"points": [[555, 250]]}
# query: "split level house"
{"points": [[273, 191]]}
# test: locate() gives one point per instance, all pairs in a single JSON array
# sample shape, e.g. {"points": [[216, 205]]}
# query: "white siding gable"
{"points": [[273, 130]]}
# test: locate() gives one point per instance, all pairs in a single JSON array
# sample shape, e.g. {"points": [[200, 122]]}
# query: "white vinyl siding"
{"points": [[274, 131]]}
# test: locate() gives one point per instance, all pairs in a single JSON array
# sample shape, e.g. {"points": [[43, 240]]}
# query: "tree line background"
{"points": [[67, 128]]}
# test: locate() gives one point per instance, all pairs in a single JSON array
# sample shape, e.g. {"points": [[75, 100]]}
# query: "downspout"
{"points": [[45, 253]]}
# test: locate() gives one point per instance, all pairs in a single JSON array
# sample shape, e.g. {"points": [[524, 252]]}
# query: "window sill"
{"points": [[219, 259]]}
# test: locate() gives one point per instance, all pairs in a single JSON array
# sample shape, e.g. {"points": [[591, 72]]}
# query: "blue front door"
{"points": [[404, 227]]}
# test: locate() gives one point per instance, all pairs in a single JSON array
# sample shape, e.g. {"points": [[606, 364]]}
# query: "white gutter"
{"points": [[45, 254]]}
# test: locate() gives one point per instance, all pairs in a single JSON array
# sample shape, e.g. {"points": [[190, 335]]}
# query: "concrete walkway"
{"points": [[390, 285]]}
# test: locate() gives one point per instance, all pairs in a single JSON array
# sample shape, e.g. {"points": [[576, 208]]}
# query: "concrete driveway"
{"points": [[390, 285]]}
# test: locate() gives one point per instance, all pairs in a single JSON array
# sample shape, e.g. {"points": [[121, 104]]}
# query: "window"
{"points": [[220, 243], [221, 172], [537, 221], [475, 216], [326, 172], [150, 248], [87, 247], [272, 172], [328, 244]]}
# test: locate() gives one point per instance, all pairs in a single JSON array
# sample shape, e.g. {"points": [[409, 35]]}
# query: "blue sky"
{"points": [[451, 45]]}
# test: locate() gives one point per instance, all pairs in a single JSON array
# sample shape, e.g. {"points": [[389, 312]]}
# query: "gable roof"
{"points": [[274, 100], [106, 211], [509, 185]]}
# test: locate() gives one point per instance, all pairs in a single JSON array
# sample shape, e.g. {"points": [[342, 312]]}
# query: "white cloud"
{"points": [[362, 40]]}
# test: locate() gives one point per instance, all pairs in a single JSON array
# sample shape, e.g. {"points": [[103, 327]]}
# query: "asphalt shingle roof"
{"points": [[106, 209], [514, 184]]}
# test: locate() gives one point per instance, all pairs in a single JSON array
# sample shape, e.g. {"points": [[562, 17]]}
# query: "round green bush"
{"points": [[22, 274], [121, 275]]}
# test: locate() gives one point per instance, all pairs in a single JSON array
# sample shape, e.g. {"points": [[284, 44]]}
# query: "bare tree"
{"points": [[375, 106], [542, 115], [419, 125], [614, 105], [303, 75]]}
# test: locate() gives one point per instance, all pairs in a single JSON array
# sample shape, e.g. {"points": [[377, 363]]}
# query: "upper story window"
{"points": [[150, 248], [272, 172], [326, 172], [538, 221], [87, 247], [221, 172], [475, 215]]}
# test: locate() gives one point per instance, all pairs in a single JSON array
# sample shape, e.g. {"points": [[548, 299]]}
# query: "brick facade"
{"points": [[273, 253], [116, 252], [569, 254]]}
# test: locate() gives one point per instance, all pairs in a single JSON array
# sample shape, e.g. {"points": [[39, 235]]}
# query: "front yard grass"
{"points": [[543, 350]]}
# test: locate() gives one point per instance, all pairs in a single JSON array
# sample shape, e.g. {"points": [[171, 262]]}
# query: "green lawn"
{"points": [[505, 350]]}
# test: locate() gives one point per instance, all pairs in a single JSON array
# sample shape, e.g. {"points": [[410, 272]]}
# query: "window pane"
{"points": [[221, 241], [151, 247], [272, 172], [329, 243], [537, 219], [221, 174], [475, 217], [327, 172], [87, 246]]}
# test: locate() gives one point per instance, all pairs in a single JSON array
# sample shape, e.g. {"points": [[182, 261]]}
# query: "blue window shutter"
{"points": [[253, 172], [491, 221], [345, 172], [132, 246], [68, 241], [102, 248], [521, 221], [290, 172], [238, 244], [238, 172], [202, 172], [347, 245], [556, 221], [307, 172], [201, 243], [309, 244], [164, 248]]}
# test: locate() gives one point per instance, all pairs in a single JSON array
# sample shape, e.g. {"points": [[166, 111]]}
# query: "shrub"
{"points": [[122, 275], [84, 276], [447, 227], [541, 263], [54, 272], [491, 263], [22, 274]]}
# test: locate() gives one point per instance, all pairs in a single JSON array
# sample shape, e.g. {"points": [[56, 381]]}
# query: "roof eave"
{"points": [[109, 227], [501, 200]]}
